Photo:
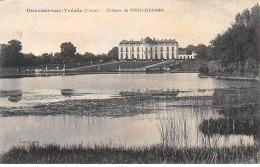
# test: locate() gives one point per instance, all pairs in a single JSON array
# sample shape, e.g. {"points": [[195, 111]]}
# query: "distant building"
{"points": [[183, 55], [148, 49]]}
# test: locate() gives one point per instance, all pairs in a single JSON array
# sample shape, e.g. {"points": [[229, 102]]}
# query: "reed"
{"points": [[100, 154]]}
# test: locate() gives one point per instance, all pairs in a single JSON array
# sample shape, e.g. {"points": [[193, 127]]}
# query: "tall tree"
{"points": [[113, 53], [240, 43], [68, 51], [190, 48], [11, 54], [203, 52]]}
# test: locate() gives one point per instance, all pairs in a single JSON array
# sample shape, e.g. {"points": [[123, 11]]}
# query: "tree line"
{"points": [[11, 56], [238, 48]]}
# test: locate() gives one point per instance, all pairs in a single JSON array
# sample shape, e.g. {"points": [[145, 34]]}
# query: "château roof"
{"points": [[150, 41], [147, 40]]}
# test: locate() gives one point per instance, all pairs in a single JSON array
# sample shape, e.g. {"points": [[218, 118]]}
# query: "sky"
{"points": [[187, 21]]}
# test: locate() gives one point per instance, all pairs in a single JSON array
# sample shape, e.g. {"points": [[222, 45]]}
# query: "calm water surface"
{"points": [[139, 130]]}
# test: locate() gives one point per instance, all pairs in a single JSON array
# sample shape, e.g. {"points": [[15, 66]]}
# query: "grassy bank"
{"points": [[194, 65], [105, 154]]}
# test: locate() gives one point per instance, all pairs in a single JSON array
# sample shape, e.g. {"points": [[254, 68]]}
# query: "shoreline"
{"points": [[87, 73], [230, 77], [238, 78]]}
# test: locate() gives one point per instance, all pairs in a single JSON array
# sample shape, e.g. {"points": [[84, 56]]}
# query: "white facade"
{"points": [[185, 56], [148, 49]]}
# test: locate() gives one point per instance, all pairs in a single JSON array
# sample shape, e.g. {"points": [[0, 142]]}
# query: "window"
{"points": [[161, 48], [161, 55], [167, 48], [138, 57], [137, 49], [121, 55], [126, 49], [156, 56], [146, 49], [133, 49], [172, 55], [133, 56], [126, 55], [122, 49], [167, 55], [172, 48], [180, 57], [146, 55], [155, 49]]}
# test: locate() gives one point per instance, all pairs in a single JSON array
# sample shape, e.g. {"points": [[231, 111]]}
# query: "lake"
{"points": [[184, 125]]}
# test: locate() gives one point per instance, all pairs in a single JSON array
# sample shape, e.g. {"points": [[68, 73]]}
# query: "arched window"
{"points": [[180, 57]]}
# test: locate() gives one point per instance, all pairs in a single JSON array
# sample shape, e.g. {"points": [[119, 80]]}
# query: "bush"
{"points": [[204, 70]]}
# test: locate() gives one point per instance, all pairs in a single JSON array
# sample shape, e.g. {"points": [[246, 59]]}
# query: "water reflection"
{"points": [[67, 92], [240, 113], [13, 95], [175, 126]]}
